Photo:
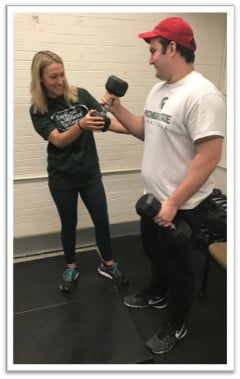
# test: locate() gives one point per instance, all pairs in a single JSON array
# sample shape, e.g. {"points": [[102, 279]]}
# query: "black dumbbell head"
{"points": [[216, 192], [147, 206], [116, 86], [180, 233]]}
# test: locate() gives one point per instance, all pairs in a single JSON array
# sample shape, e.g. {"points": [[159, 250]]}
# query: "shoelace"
{"points": [[69, 274]]}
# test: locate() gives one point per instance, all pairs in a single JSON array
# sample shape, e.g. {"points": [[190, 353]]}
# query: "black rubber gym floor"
{"points": [[92, 325]]}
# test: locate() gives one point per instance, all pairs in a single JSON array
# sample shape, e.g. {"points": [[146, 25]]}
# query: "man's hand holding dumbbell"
{"points": [[116, 88], [148, 206], [127, 121], [166, 213], [98, 120]]}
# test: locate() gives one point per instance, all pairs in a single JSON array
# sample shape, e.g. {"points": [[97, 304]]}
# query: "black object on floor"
{"points": [[89, 326], [206, 341], [92, 326]]}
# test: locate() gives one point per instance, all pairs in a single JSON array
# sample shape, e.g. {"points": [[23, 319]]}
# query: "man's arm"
{"points": [[208, 155], [117, 127], [134, 124]]}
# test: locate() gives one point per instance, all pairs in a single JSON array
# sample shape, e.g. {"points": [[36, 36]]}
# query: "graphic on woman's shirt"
{"points": [[66, 118]]}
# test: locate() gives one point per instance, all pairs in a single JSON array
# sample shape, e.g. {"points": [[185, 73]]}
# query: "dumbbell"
{"points": [[216, 192], [117, 87], [179, 232]]}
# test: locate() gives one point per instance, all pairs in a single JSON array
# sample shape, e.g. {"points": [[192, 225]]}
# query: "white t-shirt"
{"points": [[175, 116]]}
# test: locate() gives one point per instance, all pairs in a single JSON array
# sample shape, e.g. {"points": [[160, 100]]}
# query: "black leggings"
{"points": [[94, 198]]}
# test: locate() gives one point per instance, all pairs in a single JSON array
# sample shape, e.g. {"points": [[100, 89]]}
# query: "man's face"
{"points": [[159, 59]]}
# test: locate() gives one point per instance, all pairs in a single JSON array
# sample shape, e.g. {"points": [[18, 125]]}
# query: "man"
{"points": [[182, 128]]}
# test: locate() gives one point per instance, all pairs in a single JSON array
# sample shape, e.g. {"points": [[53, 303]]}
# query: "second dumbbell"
{"points": [[148, 206]]}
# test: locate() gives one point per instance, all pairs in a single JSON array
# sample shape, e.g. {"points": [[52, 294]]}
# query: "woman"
{"points": [[61, 114]]}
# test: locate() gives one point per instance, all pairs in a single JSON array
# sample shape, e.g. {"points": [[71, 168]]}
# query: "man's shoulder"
{"points": [[198, 79]]}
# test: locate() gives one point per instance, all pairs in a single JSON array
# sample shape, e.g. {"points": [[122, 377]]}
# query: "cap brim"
{"points": [[147, 35]]}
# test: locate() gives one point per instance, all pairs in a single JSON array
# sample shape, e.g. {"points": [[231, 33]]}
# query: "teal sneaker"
{"points": [[113, 272], [70, 277]]}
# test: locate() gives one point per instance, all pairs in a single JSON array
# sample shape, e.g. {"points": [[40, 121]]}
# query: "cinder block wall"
{"points": [[94, 46]]}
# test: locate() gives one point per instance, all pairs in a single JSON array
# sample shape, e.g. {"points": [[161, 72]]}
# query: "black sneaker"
{"points": [[70, 277], [113, 272], [166, 338], [145, 299]]}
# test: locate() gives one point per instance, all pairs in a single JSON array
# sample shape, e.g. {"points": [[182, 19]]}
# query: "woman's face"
{"points": [[53, 79]]}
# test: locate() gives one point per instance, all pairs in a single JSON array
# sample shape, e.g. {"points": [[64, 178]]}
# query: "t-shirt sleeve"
{"points": [[208, 117], [85, 97], [42, 124]]}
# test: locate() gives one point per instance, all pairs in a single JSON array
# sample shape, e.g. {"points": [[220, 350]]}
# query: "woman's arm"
{"points": [[62, 140]]}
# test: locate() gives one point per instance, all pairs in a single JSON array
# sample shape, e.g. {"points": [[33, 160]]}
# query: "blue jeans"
{"points": [[94, 198]]}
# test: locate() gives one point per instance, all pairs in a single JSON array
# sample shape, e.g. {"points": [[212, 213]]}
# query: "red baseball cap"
{"points": [[175, 29]]}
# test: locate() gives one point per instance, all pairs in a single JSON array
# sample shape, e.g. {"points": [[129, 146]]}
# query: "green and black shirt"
{"points": [[77, 165]]}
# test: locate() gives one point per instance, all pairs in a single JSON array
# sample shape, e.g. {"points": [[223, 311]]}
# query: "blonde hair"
{"points": [[38, 93]]}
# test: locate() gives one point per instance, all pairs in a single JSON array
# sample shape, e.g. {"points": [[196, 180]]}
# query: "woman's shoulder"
{"points": [[81, 91], [85, 97]]}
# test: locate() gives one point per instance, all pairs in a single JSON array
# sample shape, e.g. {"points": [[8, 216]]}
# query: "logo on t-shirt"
{"points": [[69, 116], [163, 101], [156, 117]]}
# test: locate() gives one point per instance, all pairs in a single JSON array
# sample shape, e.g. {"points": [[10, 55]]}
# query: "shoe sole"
{"points": [[74, 283], [106, 275], [166, 351], [136, 306], [159, 306], [64, 290]]}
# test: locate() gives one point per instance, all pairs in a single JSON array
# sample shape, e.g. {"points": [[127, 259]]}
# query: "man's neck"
{"points": [[181, 73]]}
